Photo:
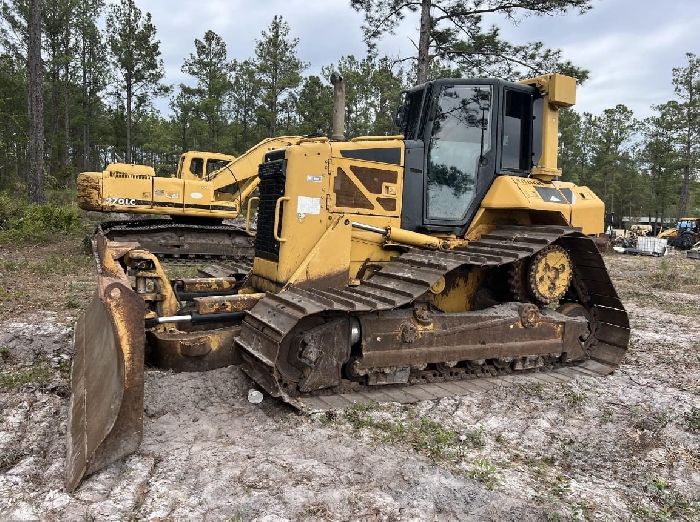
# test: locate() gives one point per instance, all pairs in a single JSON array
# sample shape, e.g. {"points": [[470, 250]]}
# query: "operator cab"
{"points": [[460, 134]]}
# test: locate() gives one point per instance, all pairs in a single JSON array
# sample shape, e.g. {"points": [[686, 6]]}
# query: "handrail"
{"points": [[378, 138], [278, 207], [247, 215]]}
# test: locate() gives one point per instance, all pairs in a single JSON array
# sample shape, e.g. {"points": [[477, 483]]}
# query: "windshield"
{"points": [[460, 136], [214, 165]]}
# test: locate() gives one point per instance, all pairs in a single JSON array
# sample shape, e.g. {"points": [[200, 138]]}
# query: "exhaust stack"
{"points": [[338, 107]]}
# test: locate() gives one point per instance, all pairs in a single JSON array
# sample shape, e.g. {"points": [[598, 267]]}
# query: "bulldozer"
{"points": [[383, 265], [207, 188]]}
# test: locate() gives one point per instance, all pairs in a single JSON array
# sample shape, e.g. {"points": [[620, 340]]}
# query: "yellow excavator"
{"points": [[385, 268], [207, 188]]}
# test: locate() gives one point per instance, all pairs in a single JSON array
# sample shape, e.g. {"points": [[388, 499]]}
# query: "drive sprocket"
{"points": [[549, 274]]}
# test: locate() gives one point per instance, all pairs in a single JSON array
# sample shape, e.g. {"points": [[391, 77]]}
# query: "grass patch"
{"points": [[476, 437], [538, 389], [22, 222], [60, 264], [484, 472], [674, 276], [575, 398], [405, 426], [692, 420], [39, 373], [654, 421], [423, 434], [6, 355], [666, 505], [10, 458]]}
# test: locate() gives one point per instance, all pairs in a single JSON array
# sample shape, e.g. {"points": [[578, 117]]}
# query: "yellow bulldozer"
{"points": [[207, 188], [385, 267]]}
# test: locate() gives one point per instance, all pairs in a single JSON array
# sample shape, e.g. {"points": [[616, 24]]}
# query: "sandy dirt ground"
{"points": [[623, 447]]}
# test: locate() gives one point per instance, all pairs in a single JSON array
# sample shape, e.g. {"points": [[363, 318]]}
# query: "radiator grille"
{"points": [[272, 178]]}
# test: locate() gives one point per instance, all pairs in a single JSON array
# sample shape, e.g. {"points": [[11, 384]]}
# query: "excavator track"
{"points": [[270, 326], [169, 239]]}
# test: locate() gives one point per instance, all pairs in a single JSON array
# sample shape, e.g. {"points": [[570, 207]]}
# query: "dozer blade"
{"points": [[105, 419]]}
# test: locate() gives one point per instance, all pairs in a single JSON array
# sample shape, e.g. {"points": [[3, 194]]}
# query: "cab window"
{"points": [[197, 166], [215, 164], [517, 136], [460, 136]]}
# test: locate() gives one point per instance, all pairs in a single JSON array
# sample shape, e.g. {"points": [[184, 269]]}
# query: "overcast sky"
{"points": [[629, 46]]}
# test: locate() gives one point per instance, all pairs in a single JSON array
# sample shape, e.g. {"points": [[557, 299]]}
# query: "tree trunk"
{"points": [[424, 42], [86, 115], [685, 190], [129, 94], [66, 105], [35, 179]]}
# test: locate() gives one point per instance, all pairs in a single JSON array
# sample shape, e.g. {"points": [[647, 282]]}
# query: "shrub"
{"points": [[21, 221]]}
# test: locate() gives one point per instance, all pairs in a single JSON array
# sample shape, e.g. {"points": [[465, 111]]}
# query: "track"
{"points": [[172, 239], [269, 326]]}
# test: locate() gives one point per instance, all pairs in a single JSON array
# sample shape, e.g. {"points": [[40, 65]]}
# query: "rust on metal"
{"points": [[499, 340], [468, 336], [229, 303], [90, 191], [388, 204], [208, 284], [347, 193], [166, 237], [374, 179], [194, 351], [105, 420]]}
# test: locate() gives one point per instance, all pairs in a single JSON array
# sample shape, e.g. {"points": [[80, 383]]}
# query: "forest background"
{"points": [[81, 82]]}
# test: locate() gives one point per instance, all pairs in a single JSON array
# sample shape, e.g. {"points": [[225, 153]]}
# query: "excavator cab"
{"points": [[197, 165]]}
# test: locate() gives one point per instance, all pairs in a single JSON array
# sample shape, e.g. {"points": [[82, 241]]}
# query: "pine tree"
{"points": [[662, 162], [451, 32], [92, 66], [372, 87], [243, 104], [314, 105], [209, 66], [278, 70], [135, 54], [612, 142], [686, 85]]}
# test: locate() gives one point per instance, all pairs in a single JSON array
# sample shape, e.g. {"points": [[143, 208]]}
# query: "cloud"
{"points": [[630, 46], [632, 68]]}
